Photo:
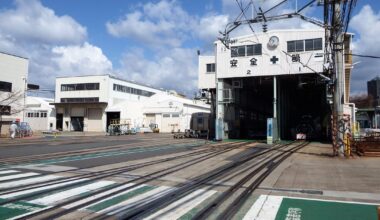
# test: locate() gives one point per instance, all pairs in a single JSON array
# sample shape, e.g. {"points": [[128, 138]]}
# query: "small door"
{"points": [[59, 122], [77, 123]]}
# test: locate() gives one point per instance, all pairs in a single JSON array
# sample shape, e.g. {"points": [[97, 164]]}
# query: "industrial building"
{"points": [[13, 86], [276, 75], [92, 103], [39, 113]]}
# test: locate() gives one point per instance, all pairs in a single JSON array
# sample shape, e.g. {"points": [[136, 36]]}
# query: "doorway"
{"points": [[59, 122], [77, 123], [112, 117]]}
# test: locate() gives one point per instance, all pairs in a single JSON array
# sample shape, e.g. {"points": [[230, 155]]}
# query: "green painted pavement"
{"points": [[297, 209], [14, 209], [118, 199]]}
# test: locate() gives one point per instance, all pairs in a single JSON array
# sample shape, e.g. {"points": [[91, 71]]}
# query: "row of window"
{"points": [[5, 86], [246, 50], [305, 45], [168, 115], [80, 100], [126, 89], [36, 114], [80, 86]]}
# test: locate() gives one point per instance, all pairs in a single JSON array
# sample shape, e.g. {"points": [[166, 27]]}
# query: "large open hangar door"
{"points": [[303, 107], [252, 104]]}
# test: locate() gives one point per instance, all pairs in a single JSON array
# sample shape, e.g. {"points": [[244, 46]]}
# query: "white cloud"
{"points": [[210, 25], [170, 69], [164, 23], [55, 45], [86, 59], [31, 21], [367, 24]]}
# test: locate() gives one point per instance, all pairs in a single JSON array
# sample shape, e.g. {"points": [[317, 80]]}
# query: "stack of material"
{"points": [[368, 146]]}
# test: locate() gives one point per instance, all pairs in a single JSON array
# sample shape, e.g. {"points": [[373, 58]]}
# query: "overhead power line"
{"points": [[365, 56]]}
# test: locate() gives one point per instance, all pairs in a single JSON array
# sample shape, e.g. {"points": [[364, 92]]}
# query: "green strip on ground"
{"points": [[120, 198], [297, 209], [11, 210], [190, 214], [241, 140]]}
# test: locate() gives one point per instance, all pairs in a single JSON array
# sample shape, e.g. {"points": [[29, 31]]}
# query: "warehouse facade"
{"points": [[92, 103], [278, 75]]}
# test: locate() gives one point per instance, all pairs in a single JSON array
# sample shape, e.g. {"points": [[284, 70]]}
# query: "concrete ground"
{"points": [[313, 172]]}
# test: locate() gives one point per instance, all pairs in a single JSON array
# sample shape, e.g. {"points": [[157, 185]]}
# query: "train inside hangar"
{"points": [[277, 75]]}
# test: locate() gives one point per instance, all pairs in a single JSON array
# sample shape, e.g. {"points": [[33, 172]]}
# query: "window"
{"points": [[80, 100], [210, 68], [175, 115], [299, 45], [5, 110], [238, 51], [166, 115], [5, 86], [255, 49], [313, 44], [291, 46], [305, 45], [43, 114], [200, 120], [126, 89], [80, 86], [296, 46], [36, 114]]}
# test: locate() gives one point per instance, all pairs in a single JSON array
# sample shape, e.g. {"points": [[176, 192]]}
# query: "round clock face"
{"points": [[273, 42]]}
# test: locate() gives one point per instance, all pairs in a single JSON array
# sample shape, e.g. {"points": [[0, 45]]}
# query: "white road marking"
{"points": [[53, 198], [180, 207], [138, 200], [265, 208], [24, 192], [8, 171], [27, 181], [17, 176], [102, 194]]}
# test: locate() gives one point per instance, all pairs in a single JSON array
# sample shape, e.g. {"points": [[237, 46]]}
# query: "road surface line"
{"points": [[180, 207], [53, 198], [17, 176], [8, 171], [265, 207], [27, 181], [138, 200], [24, 192], [100, 195]]}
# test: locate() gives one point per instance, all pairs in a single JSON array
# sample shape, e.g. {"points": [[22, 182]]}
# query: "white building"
{"points": [[91, 103], [171, 112], [277, 74], [39, 113], [13, 83]]}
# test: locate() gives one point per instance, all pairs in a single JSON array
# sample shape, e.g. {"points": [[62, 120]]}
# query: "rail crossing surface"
{"points": [[157, 177]]}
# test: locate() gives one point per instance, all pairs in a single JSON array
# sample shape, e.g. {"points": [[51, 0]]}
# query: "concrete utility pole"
{"points": [[338, 56]]}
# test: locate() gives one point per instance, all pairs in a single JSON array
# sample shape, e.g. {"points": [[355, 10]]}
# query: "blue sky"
{"points": [[154, 42]]}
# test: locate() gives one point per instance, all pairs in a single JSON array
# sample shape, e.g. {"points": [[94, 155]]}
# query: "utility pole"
{"points": [[337, 37]]}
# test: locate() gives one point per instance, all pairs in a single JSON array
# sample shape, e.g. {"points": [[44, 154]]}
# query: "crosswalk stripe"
{"points": [[100, 195], [53, 198], [15, 176], [8, 171], [265, 207], [27, 181], [138, 200], [180, 207], [25, 192]]}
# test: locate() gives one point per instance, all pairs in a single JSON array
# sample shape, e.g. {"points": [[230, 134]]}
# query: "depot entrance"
{"points": [[301, 107]]}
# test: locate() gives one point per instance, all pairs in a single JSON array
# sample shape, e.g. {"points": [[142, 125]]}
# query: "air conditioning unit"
{"points": [[237, 84]]}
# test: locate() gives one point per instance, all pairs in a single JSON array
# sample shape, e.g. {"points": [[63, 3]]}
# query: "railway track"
{"points": [[110, 173], [252, 168], [47, 156]]}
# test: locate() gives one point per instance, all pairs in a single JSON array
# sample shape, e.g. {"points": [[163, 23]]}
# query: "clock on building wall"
{"points": [[273, 42]]}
